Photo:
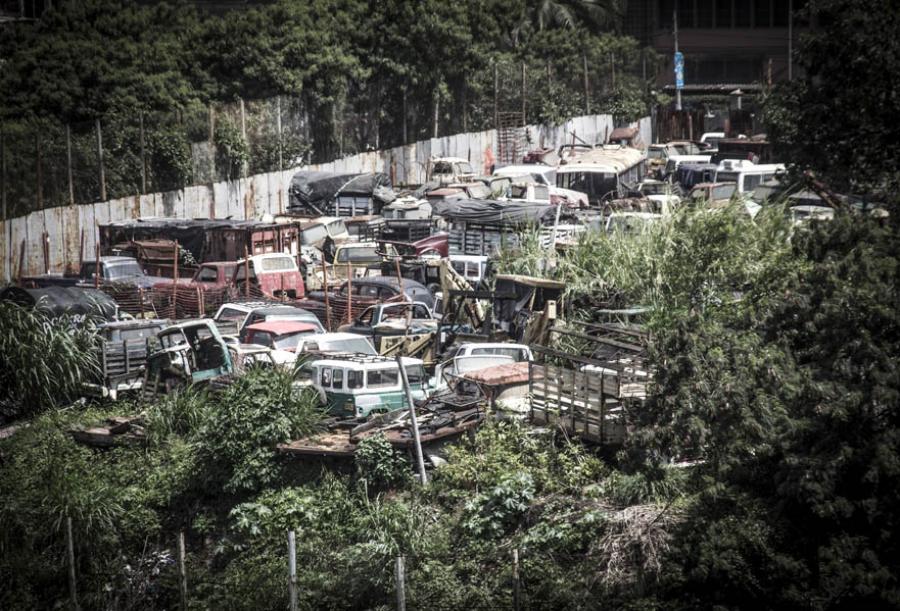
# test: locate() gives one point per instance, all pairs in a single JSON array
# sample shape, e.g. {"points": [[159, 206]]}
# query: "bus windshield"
{"points": [[596, 185]]}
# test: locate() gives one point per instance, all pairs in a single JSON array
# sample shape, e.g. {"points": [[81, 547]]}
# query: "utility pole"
{"points": [[790, 40], [675, 34], [420, 461]]}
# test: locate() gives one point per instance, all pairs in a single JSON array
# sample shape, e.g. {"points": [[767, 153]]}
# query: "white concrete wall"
{"points": [[73, 229]]}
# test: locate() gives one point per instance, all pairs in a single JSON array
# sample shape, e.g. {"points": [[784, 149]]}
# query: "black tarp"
{"points": [[60, 301], [312, 192], [505, 213]]}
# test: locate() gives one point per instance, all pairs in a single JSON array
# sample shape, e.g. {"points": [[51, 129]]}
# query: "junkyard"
{"points": [[603, 314]]}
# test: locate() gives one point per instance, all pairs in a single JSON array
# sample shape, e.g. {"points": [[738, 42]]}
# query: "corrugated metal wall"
{"points": [[71, 230]]}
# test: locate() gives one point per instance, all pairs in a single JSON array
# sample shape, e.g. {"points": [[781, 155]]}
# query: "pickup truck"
{"points": [[401, 328], [120, 271]]}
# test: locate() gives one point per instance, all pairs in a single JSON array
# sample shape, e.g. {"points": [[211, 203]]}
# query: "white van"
{"points": [[746, 174]]}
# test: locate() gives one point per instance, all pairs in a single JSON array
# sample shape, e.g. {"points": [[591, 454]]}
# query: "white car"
{"points": [[475, 356]]}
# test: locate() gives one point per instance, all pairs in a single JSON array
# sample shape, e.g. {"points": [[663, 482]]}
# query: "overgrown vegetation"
{"points": [[43, 360], [775, 351]]}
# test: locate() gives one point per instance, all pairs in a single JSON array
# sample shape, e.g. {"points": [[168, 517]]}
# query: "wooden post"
{"points": [[182, 571], [325, 287], [292, 570], [349, 292], [401, 586], [399, 275], [612, 71], [278, 125], [39, 173], [243, 120], [100, 160], [70, 554], [524, 95], [97, 266], [517, 594], [437, 110], [175, 282], [496, 96], [45, 250], [143, 154], [420, 460], [81, 251], [7, 237], [69, 165], [587, 94], [246, 272], [405, 134], [212, 143]]}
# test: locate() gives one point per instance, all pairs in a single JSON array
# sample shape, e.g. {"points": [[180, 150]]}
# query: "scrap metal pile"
{"points": [[361, 285]]}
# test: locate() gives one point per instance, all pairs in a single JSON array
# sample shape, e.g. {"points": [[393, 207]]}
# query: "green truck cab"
{"points": [[188, 353], [356, 386]]}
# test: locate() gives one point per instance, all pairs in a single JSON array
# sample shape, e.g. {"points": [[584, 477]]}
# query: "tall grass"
{"points": [[43, 360], [692, 260]]}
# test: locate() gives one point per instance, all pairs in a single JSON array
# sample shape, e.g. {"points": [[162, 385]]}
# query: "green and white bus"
{"points": [[355, 386]]}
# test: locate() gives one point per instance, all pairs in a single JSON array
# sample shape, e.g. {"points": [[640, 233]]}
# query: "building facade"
{"points": [[727, 44]]}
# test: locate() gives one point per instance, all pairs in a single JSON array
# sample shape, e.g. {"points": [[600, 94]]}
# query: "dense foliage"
{"points": [[43, 360], [342, 76], [834, 118]]}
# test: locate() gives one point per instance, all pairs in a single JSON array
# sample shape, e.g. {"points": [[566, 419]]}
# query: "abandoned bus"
{"points": [[356, 386], [601, 172]]}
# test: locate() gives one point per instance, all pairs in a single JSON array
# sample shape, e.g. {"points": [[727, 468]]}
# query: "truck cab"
{"points": [[188, 353], [449, 170], [273, 275], [124, 271]]}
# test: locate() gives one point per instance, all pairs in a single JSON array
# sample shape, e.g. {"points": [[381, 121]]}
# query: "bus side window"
{"points": [[354, 379], [337, 380], [326, 377]]}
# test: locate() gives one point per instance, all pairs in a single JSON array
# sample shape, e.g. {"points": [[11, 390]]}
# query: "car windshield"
{"points": [[278, 264], [465, 168], [595, 184], [654, 188], [517, 354], [358, 254], [313, 235], [336, 228], [479, 191], [726, 177], [358, 345], [723, 192], [656, 154], [289, 341], [415, 374], [124, 270]]}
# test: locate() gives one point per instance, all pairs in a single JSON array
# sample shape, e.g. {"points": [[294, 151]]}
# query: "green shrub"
{"points": [[43, 360], [243, 424], [379, 464]]}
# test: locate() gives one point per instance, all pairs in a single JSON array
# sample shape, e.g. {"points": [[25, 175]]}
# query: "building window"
{"points": [[780, 14], [685, 14], [705, 13], [666, 8], [723, 14], [763, 15], [743, 13]]}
